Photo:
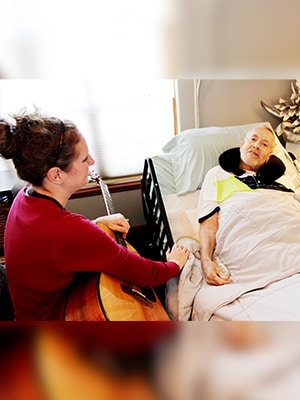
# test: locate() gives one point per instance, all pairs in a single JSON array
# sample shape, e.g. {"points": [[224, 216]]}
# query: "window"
{"points": [[123, 121]]}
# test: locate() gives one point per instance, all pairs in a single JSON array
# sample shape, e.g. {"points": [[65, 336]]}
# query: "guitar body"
{"points": [[103, 297]]}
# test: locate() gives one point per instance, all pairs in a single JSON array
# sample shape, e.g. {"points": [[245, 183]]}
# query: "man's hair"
{"points": [[262, 127]]}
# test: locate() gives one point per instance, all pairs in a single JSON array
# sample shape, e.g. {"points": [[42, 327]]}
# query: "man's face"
{"points": [[256, 149]]}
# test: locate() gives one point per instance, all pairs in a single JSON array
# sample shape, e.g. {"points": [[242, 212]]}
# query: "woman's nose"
{"points": [[91, 160]]}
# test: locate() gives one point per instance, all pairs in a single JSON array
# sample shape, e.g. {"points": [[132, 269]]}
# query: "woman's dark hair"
{"points": [[36, 143]]}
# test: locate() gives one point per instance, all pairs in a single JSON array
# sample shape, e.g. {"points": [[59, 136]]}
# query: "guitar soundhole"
{"points": [[149, 294], [143, 295]]}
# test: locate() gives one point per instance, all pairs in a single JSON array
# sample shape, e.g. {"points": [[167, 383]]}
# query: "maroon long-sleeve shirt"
{"points": [[46, 246]]}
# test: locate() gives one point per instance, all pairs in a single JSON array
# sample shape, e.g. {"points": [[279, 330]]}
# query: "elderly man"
{"points": [[244, 169]]}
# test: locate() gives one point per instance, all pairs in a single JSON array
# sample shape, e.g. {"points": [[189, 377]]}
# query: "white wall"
{"points": [[230, 102]]}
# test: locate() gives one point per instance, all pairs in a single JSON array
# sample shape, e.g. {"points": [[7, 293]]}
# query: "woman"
{"points": [[45, 246]]}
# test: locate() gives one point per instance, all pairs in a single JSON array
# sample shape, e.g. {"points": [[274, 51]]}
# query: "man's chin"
{"points": [[253, 161]]}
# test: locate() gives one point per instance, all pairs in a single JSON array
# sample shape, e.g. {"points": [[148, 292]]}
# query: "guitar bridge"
{"points": [[137, 294]]}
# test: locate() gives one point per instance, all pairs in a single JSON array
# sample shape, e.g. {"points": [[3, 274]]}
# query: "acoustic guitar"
{"points": [[103, 297]]}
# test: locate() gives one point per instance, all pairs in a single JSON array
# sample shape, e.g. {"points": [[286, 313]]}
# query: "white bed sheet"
{"points": [[181, 169], [182, 215]]}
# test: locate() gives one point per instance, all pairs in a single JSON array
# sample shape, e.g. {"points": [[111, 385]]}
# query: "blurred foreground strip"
{"points": [[150, 361], [79, 361]]}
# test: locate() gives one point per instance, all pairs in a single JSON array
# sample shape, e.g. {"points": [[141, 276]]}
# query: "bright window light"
{"points": [[123, 121]]}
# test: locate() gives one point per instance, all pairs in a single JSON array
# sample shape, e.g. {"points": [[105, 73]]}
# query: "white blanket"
{"points": [[259, 241]]}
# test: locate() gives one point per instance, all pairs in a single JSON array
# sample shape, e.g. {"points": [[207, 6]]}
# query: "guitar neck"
{"points": [[108, 204], [107, 198]]}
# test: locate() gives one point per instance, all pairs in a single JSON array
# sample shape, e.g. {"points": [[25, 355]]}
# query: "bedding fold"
{"points": [[258, 240]]}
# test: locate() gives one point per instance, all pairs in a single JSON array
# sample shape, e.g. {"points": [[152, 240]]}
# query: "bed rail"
{"points": [[154, 210]]}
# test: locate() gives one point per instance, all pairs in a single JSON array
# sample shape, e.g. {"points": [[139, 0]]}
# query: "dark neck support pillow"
{"points": [[273, 169]]}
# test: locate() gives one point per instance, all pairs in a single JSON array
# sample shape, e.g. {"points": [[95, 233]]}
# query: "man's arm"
{"points": [[213, 274]]}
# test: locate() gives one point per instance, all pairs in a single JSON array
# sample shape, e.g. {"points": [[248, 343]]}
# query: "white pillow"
{"points": [[194, 151], [164, 173]]}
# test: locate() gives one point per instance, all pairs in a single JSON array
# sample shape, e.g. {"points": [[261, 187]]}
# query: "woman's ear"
{"points": [[54, 175]]}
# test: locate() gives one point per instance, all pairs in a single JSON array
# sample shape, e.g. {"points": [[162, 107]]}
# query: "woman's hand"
{"points": [[115, 222], [178, 254]]}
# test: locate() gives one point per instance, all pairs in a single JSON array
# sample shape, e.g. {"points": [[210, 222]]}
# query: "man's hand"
{"points": [[213, 274]]}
